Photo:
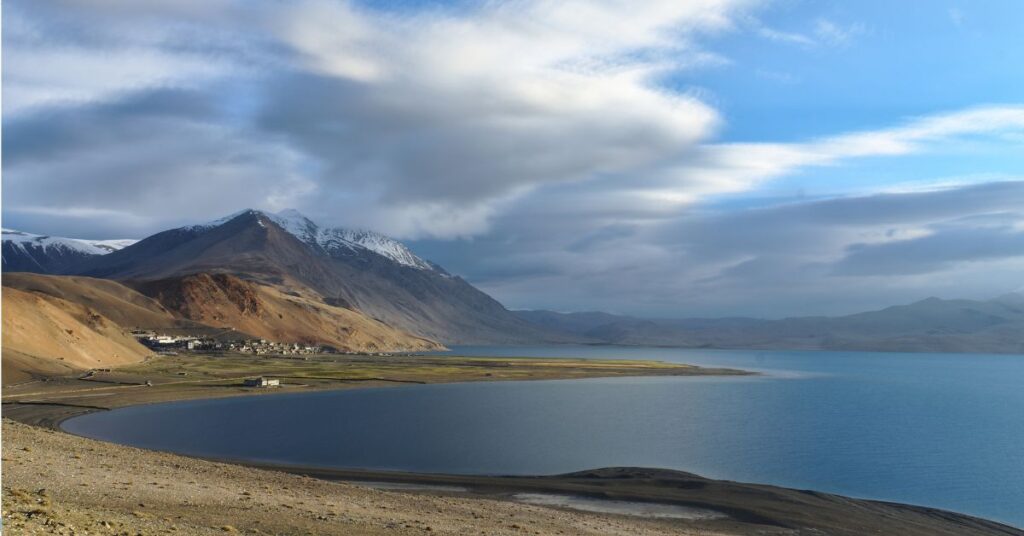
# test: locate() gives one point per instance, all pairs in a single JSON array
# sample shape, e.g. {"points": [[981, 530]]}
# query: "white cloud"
{"points": [[823, 32], [785, 37], [736, 167], [454, 111], [834, 33], [74, 52], [63, 76]]}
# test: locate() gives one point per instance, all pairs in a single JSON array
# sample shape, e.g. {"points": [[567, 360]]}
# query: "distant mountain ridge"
{"points": [[930, 325], [27, 252]]}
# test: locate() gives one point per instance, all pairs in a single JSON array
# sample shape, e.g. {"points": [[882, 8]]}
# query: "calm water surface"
{"points": [[931, 429]]}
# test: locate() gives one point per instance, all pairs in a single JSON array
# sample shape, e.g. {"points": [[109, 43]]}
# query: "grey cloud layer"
{"points": [[827, 256]]}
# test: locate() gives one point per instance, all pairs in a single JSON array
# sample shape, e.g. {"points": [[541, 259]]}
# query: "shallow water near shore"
{"points": [[932, 429], [628, 508]]}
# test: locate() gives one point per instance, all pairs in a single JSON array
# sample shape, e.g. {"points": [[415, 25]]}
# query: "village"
{"points": [[163, 343], [171, 344]]}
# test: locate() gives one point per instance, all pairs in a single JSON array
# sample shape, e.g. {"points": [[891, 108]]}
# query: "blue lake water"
{"points": [[932, 429]]}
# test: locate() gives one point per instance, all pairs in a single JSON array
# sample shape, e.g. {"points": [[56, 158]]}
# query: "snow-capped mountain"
{"points": [[333, 240], [22, 239], [27, 252]]}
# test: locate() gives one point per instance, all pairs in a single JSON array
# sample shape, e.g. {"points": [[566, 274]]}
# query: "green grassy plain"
{"points": [[164, 378]]}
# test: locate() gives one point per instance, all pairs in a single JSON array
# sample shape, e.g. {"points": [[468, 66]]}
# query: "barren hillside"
{"points": [[276, 314], [44, 335]]}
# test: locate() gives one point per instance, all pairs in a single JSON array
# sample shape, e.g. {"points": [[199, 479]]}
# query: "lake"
{"points": [[931, 429]]}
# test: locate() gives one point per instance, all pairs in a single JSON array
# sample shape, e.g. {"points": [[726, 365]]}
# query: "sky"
{"points": [[659, 158]]}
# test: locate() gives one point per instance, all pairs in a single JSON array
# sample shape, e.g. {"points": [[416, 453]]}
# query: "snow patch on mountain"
{"points": [[332, 239], [23, 241], [112, 245], [296, 224], [219, 221], [375, 242]]}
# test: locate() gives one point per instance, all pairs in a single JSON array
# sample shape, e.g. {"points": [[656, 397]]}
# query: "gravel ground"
{"points": [[56, 483]]}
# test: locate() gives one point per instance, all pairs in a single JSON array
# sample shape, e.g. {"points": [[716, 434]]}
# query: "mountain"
{"points": [[26, 252], [356, 270], [60, 324], [931, 325], [55, 325]]}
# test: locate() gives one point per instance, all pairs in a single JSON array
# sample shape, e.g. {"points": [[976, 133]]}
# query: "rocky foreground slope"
{"points": [[56, 483]]}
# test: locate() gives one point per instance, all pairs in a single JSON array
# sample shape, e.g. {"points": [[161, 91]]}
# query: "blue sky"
{"points": [[914, 58], [658, 158]]}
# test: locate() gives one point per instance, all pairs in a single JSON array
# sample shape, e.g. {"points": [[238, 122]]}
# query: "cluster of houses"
{"points": [[169, 343], [265, 347]]}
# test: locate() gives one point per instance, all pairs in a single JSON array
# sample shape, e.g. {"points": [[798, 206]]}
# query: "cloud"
{"points": [[77, 52], [439, 112], [824, 32], [160, 158], [967, 240], [826, 256], [785, 37], [735, 167], [837, 34]]}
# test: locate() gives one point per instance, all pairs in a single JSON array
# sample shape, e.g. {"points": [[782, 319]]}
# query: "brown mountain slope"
{"points": [[46, 335], [275, 314], [125, 306]]}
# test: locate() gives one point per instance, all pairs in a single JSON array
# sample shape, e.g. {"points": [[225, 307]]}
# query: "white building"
{"points": [[262, 381]]}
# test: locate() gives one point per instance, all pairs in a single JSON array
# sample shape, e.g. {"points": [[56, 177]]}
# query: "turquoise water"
{"points": [[932, 429]]}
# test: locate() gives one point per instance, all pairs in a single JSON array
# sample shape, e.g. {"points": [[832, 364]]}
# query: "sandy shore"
{"points": [[56, 483]]}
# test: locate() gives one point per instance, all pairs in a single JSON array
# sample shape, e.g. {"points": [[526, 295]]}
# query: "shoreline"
{"points": [[50, 402], [643, 485], [748, 508]]}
